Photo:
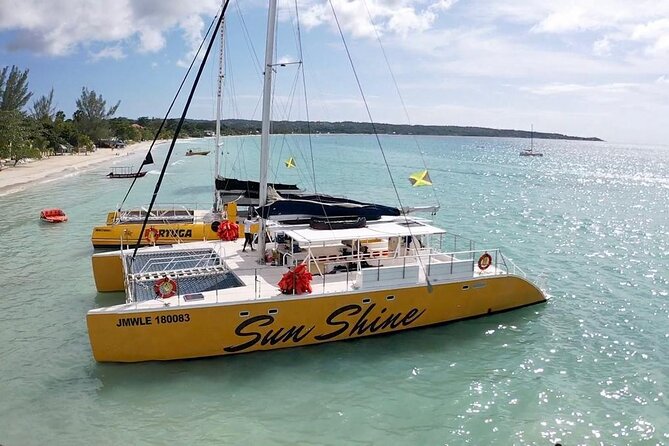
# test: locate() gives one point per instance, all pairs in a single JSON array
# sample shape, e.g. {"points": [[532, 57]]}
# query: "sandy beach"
{"points": [[24, 175]]}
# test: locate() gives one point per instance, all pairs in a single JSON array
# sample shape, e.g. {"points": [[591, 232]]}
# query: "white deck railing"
{"points": [[161, 212], [344, 274]]}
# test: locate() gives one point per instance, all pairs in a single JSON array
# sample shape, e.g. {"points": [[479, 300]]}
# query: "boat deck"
{"points": [[165, 216], [209, 273]]}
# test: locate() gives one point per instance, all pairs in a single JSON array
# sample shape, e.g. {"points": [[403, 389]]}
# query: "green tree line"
{"points": [[39, 128], [31, 130]]}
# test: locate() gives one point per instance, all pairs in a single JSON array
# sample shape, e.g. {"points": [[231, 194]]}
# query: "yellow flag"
{"points": [[420, 179], [290, 163]]}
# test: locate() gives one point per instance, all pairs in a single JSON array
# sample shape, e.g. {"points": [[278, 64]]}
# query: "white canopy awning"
{"points": [[382, 230]]}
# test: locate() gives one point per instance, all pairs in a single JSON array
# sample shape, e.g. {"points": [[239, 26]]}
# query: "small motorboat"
{"points": [[53, 215], [192, 152], [530, 152], [125, 172]]}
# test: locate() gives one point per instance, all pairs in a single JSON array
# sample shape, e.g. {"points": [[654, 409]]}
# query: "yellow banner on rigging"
{"points": [[420, 179]]}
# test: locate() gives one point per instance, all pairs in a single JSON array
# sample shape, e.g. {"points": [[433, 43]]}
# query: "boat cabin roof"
{"points": [[398, 227]]}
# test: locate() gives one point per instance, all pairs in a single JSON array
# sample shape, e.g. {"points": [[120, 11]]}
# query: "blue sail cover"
{"points": [[249, 188], [301, 210]]}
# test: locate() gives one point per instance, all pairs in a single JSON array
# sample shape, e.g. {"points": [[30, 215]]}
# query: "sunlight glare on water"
{"points": [[588, 222]]}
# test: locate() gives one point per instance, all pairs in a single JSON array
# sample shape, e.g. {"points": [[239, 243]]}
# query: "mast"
{"points": [[219, 94], [179, 125], [266, 109], [532, 138]]}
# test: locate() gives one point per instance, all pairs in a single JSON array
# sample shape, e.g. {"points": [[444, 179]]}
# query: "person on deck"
{"points": [[248, 236]]}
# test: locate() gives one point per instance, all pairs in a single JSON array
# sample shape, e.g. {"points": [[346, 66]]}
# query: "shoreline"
{"points": [[23, 176]]}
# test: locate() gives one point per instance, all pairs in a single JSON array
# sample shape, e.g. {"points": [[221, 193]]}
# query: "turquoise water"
{"points": [[588, 221]]}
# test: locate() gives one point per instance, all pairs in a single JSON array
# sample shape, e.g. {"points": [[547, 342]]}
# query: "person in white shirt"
{"points": [[248, 236]]}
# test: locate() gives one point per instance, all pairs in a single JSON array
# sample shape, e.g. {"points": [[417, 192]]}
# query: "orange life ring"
{"points": [[152, 235], [165, 287], [485, 261]]}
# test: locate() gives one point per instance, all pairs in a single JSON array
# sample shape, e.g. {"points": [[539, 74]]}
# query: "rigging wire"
{"points": [[162, 124], [292, 96], [287, 110], [399, 94], [294, 145], [364, 100], [180, 124], [306, 101], [249, 42], [238, 163], [376, 135]]}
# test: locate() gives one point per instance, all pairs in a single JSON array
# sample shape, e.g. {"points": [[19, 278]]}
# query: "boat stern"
{"points": [[108, 271]]}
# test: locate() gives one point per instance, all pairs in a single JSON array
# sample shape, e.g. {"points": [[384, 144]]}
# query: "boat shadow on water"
{"points": [[333, 362], [106, 299], [193, 190]]}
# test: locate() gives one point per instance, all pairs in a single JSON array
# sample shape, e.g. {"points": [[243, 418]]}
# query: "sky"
{"points": [[578, 67]]}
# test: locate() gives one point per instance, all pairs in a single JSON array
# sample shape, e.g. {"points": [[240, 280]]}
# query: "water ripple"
{"points": [[589, 221]]}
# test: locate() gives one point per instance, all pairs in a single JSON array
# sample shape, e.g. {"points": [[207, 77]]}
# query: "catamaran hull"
{"points": [[111, 236], [125, 334], [169, 229]]}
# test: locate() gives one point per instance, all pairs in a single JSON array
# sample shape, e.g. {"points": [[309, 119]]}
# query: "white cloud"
{"points": [[286, 59], [150, 40], [648, 95], [360, 18], [442, 5], [111, 52], [602, 47], [193, 28], [582, 66], [554, 89], [656, 33], [651, 30], [645, 22], [574, 18], [66, 26], [487, 53]]}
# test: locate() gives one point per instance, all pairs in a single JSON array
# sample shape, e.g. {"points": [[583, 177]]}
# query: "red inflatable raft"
{"points": [[53, 215]]}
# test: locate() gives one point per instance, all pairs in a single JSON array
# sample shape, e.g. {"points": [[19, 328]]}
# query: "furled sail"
{"points": [[302, 208], [249, 188]]}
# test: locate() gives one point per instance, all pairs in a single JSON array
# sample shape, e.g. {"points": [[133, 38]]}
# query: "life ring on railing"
{"points": [[165, 287], [152, 235], [485, 261]]}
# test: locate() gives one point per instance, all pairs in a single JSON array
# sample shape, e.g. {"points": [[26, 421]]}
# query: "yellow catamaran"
{"points": [[365, 281], [180, 223], [166, 225], [321, 280]]}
